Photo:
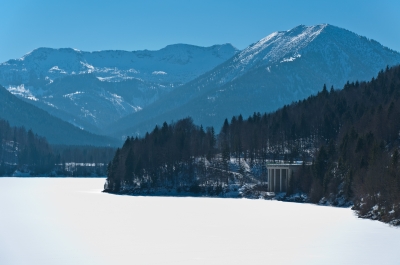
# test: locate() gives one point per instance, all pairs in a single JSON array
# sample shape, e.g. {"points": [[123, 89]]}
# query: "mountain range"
{"points": [[120, 93], [94, 89], [281, 68]]}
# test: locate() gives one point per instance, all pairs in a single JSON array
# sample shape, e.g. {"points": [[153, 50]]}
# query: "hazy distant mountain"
{"points": [[93, 89], [20, 113], [280, 68]]}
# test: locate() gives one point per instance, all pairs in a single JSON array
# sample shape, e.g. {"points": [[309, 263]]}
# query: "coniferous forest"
{"points": [[351, 136], [28, 152]]}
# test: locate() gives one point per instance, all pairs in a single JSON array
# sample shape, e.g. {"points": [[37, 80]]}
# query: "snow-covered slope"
{"points": [[277, 70], [337, 54], [113, 83]]}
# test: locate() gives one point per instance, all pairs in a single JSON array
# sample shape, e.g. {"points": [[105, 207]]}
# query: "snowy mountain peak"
{"points": [[278, 45], [283, 67], [332, 45]]}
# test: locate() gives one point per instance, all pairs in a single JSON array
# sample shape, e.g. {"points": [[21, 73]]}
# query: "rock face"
{"points": [[93, 89], [281, 68]]}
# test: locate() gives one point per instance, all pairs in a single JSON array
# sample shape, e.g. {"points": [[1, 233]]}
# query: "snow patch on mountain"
{"points": [[49, 104], [278, 45], [290, 59], [56, 69], [72, 96], [22, 92], [90, 68], [159, 73]]}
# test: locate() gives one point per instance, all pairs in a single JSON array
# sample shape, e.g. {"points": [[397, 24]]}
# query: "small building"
{"points": [[279, 176]]}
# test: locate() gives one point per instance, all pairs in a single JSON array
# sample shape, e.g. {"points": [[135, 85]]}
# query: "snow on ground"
{"points": [[69, 221]]}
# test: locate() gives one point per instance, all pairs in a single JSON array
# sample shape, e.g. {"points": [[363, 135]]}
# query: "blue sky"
{"points": [[137, 25]]}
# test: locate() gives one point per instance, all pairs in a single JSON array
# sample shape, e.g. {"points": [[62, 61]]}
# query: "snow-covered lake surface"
{"points": [[69, 221]]}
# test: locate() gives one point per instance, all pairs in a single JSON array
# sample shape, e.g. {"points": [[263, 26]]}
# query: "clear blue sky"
{"points": [[145, 24]]}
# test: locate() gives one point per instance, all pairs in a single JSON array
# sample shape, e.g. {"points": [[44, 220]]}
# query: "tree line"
{"points": [[24, 150], [351, 136]]}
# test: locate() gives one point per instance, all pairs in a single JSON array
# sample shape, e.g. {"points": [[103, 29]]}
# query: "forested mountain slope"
{"points": [[350, 135], [24, 153]]}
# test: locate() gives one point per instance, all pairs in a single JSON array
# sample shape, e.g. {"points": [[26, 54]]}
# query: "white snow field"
{"points": [[69, 221]]}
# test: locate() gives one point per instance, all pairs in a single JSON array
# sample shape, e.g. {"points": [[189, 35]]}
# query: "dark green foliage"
{"points": [[351, 135], [165, 157], [26, 151], [21, 149]]}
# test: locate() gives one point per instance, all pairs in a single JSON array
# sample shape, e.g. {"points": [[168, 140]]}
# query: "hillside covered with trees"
{"points": [[28, 152], [351, 136]]}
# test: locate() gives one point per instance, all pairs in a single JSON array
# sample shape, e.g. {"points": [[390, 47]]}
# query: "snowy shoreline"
{"points": [[253, 193]]}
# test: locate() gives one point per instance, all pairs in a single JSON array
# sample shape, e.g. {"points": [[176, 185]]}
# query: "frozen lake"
{"points": [[69, 221]]}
